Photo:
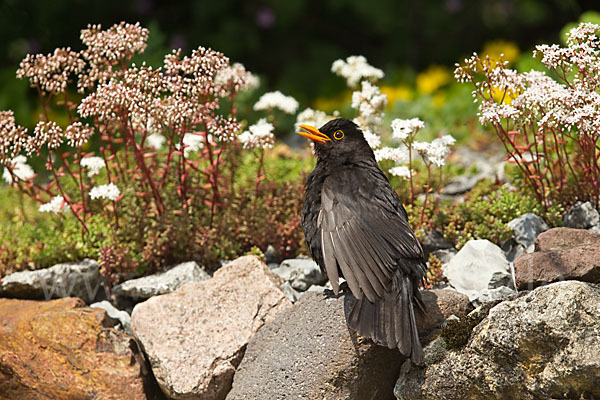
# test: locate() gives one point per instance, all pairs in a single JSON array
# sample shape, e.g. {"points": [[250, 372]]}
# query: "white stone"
{"points": [[477, 264]]}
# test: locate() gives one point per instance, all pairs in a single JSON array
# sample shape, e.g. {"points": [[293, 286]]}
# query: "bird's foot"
{"points": [[344, 288]]}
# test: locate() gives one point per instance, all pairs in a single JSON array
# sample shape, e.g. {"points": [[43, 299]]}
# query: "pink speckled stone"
{"points": [[195, 336]]}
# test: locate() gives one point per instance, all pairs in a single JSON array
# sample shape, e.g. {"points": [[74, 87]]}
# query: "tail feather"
{"points": [[390, 321]]}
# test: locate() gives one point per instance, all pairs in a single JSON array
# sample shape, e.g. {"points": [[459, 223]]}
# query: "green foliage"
{"points": [[485, 213]]}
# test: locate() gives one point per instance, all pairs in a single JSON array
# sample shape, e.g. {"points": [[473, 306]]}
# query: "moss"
{"points": [[456, 333]]}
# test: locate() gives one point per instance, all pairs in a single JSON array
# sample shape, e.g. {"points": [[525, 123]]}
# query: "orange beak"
{"points": [[314, 134]]}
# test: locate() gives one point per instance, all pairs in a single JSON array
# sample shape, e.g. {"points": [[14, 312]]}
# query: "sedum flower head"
{"points": [[56, 205], [45, 133], [259, 135], [403, 128], [396, 154], [439, 149], [354, 69], [373, 139], [13, 137], [107, 48], [278, 100], [192, 142], [93, 164], [51, 72], [156, 141], [369, 102], [401, 171], [235, 78], [109, 192], [20, 169]]}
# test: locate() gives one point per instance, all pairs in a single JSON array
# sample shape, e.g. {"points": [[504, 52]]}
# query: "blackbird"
{"points": [[357, 228]]}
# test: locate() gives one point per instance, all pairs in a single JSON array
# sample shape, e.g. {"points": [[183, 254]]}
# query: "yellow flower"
{"points": [[433, 78], [395, 93], [438, 99], [496, 48], [501, 98]]}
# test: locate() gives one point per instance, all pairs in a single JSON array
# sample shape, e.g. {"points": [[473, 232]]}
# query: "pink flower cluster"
{"points": [[551, 128]]}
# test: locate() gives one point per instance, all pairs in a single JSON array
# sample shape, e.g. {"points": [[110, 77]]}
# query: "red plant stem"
{"points": [[504, 139], [439, 190], [44, 106], [426, 192], [71, 120], [140, 162], [63, 194], [410, 173], [259, 172], [181, 170], [213, 180], [81, 189], [169, 158], [108, 175]]}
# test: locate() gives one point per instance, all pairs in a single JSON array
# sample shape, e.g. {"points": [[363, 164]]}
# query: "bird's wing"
{"points": [[365, 232]]}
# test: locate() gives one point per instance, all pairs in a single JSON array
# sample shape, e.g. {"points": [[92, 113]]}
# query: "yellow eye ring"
{"points": [[338, 135]]}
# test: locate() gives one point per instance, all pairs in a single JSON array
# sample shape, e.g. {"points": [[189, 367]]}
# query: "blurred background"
{"points": [[291, 44]]}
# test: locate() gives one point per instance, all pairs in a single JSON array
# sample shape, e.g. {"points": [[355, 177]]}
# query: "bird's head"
{"points": [[339, 139]]}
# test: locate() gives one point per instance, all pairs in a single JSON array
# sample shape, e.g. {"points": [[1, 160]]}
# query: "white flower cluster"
{"points": [[110, 192], [396, 154], [259, 135], [436, 151], [93, 164], [373, 139], [404, 131], [403, 128], [192, 142], [278, 100], [156, 141], [369, 102], [56, 205], [20, 169], [402, 171], [354, 69]]}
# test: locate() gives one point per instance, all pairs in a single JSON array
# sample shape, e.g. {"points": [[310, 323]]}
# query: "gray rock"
{"points": [[308, 352], [290, 292], [526, 229], [195, 336], [461, 184], [595, 229], [542, 345], [136, 290], [500, 293], [77, 279], [477, 265], [582, 216], [116, 314], [433, 241], [271, 255], [301, 273], [514, 250], [500, 279]]}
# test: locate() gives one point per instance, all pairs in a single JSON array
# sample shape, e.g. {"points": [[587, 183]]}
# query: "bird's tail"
{"points": [[390, 321]]}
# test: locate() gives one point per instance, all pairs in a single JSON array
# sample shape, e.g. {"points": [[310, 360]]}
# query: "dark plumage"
{"points": [[356, 228]]}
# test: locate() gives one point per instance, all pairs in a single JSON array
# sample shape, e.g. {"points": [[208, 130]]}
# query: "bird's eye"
{"points": [[338, 135]]}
